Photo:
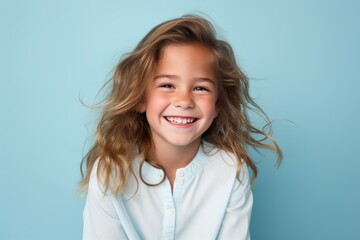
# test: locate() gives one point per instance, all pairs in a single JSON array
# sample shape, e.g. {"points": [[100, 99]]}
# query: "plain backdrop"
{"points": [[303, 61]]}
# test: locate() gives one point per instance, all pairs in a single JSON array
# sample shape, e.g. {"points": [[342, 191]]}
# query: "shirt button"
{"points": [[180, 173], [170, 211], [180, 182]]}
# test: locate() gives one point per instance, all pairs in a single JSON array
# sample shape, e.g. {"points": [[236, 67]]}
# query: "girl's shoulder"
{"points": [[97, 180], [220, 159], [218, 156]]}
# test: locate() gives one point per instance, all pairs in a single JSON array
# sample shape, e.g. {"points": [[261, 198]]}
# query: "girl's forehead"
{"points": [[191, 55]]}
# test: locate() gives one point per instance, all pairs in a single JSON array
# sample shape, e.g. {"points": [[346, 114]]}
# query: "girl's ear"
{"points": [[217, 109], [141, 107]]}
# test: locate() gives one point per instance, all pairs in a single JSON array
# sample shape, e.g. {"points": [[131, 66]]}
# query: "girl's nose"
{"points": [[184, 100]]}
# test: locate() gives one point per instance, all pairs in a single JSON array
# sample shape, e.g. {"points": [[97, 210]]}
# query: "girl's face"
{"points": [[181, 97]]}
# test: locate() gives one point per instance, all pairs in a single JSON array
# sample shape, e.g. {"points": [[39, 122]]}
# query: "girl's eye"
{"points": [[200, 89], [166, 86]]}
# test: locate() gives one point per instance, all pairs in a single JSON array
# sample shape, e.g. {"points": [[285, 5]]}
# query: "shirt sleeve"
{"points": [[236, 222], [100, 220]]}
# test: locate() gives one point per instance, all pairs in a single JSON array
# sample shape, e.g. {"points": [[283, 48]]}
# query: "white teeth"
{"points": [[179, 120]]}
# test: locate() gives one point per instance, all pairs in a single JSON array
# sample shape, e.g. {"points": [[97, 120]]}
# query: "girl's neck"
{"points": [[172, 158]]}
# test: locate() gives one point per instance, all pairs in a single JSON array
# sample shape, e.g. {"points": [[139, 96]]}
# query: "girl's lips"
{"points": [[180, 120]]}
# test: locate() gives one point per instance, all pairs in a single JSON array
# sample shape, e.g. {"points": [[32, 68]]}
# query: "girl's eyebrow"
{"points": [[175, 77]]}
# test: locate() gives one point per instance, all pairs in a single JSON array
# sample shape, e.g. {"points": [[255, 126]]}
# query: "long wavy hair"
{"points": [[123, 132]]}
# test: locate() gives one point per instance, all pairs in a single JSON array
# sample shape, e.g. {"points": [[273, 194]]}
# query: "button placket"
{"points": [[169, 214], [180, 177], [171, 211], [180, 182]]}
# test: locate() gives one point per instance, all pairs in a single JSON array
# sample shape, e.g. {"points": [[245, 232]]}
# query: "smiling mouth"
{"points": [[181, 120]]}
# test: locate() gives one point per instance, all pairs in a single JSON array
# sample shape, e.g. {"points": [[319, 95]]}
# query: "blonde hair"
{"points": [[123, 132]]}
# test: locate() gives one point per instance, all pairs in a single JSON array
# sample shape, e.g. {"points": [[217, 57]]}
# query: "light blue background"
{"points": [[302, 56]]}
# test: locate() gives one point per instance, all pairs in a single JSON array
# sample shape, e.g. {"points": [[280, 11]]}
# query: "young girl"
{"points": [[170, 159]]}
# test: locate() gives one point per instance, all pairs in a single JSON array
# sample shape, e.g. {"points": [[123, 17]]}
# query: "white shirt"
{"points": [[207, 202]]}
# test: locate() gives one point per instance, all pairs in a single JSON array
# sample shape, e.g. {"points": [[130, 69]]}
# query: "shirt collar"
{"points": [[153, 175]]}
